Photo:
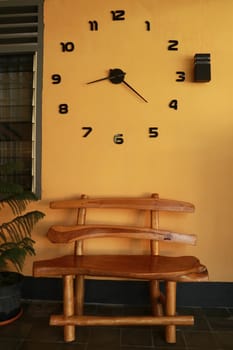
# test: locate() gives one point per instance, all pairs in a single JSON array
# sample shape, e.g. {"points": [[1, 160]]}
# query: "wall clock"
{"points": [[106, 66], [119, 83]]}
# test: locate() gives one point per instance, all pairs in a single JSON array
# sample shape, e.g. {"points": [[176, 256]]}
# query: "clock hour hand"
{"points": [[96, 81], [116, 76]]}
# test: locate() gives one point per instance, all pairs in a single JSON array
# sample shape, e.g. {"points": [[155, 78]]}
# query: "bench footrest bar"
{"points": [[60, 320]]}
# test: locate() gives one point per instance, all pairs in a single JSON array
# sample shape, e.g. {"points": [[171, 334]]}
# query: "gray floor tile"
{"points": [[200, 340], [221, 323], [159, 339], [9, 344], [18, 330], [136, 336], [42, 331], [225, 340], [28, 345], [216, 312], [136, 347], [103, 346], [104, 335]]}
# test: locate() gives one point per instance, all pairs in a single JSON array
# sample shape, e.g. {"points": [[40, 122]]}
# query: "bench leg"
{"points": [[170, 331], [68, 305], [79, 295], [155, 294]]}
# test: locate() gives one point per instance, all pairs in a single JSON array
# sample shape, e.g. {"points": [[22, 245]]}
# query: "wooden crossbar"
{"points": [[61, 320]]}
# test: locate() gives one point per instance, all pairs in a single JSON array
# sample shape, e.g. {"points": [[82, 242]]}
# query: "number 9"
{"points": [[56, 79]]}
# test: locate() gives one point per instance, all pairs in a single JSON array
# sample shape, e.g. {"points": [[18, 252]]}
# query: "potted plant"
{"points": [[15, 242]]}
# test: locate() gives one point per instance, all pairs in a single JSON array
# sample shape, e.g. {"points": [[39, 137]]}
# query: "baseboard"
{"points": [[203, 294]]}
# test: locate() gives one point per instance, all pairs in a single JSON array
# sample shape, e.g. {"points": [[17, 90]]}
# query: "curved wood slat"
{"points": [[126, 203], [126, 266], [68, 234]]}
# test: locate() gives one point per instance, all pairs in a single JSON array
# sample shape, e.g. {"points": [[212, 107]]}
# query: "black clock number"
{"points": [[173, 45], [118, 139], [93, 25], [153, 132], [63, 108], [181, 76], [88, 130], [67, 47], [173, 104], [147, 25], [118, 15], [56, 79]]}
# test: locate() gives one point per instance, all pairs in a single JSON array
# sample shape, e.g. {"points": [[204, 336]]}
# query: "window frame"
{"points": [[35, 48]]}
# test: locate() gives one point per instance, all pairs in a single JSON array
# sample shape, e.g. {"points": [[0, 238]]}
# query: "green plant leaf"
{"points": [[16, 255], [15, 235], [17, 201], [21, 226]]}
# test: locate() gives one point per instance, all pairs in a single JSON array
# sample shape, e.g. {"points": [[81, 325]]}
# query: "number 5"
{"points": [[153, 132]]}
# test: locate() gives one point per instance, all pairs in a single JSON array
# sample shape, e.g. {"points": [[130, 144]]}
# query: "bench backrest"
{"points": [[154, 205]]}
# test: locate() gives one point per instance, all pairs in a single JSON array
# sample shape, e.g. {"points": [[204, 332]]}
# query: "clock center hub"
{"points": [[116, 75]]}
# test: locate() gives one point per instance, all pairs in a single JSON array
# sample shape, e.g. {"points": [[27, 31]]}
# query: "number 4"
{"points": [[173, 104]]}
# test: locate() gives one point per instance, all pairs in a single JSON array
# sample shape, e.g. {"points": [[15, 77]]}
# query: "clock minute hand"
{"points": [[137, 93], [117, 76]]}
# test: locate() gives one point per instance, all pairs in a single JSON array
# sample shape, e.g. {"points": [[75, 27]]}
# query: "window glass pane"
{"points": [[16, 91]]}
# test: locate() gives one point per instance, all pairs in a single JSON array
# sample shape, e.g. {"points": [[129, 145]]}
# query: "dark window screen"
{"points": [[16, 111]]}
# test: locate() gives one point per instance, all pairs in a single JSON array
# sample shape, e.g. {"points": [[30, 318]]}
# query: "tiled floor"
{"points": [[213, 330]]}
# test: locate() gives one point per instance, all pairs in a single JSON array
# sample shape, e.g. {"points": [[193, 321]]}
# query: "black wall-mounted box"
{"points": [[202, 71]]}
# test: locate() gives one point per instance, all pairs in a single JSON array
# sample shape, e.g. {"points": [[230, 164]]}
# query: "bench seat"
{"points": [[129, 266]]}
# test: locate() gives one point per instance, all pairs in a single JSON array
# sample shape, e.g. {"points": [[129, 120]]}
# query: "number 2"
{"points": [[173, 45]]}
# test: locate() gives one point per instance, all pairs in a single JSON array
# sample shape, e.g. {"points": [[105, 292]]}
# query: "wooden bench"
{"points": [[153, 266]]}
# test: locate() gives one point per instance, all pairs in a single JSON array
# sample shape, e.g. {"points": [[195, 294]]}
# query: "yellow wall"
{"points": [[192, 158]]}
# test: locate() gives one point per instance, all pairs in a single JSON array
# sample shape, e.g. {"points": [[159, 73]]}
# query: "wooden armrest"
{"points": [[68, 234], [125, 203]]}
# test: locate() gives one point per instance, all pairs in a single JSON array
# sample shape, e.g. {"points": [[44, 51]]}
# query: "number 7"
{"points": [[89, 130]]}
